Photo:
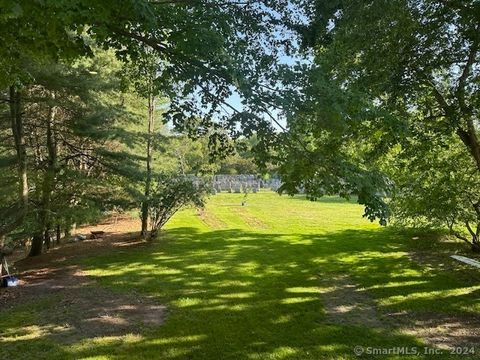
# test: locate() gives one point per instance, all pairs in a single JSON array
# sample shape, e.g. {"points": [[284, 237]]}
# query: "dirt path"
{"points": [[348, 304], [76, 307]]}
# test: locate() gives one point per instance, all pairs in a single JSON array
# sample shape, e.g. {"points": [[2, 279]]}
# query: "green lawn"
{"points": [[251, 282]]}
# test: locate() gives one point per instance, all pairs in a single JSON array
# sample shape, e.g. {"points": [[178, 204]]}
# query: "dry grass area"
{"points": [[249, 219], [210, 220]]}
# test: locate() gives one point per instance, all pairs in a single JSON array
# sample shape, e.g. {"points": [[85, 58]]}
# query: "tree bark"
{"points": [[59, 235], [467, 132], [36, 247], [148, 179], [47, 238], [470, 140], [2, 244], [475, 247], [43, 231]]}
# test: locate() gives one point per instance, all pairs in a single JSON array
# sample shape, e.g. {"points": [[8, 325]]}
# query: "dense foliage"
{"points": [[390, 110], [383, 104], [73, 118], [165, 45], [170, 193]]}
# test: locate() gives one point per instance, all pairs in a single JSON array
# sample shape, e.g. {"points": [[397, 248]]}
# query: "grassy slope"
{"points": [[247, 286]]}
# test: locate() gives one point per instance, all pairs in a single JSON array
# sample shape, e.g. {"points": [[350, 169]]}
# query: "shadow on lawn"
{"points": [[234, 294], [324, 199]]}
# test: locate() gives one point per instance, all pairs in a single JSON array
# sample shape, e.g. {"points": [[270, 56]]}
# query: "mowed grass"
{"points": [[246, 283]]}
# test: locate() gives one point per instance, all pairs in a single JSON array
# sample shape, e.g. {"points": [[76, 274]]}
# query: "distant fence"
{"points": [[243, 183]]}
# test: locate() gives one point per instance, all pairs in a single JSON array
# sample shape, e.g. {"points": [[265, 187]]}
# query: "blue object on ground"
{"points": [[9, 281], [80, 237]]}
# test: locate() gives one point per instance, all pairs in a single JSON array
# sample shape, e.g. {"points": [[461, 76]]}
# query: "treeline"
{"points": [[391, 118], [68, 133], [89, 141], [81, 84]]}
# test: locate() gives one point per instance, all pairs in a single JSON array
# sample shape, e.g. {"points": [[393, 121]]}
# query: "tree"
{"points": [[76, 166], [388, 74], [242, 161], [435, 184], [142, 76], [171, 193], [14, 214], [244, 42]]}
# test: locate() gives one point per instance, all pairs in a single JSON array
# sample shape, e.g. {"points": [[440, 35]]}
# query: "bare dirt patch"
{"points": [[347, 304], [440, 330], [80, 308], [121, 232], [99, 312]]}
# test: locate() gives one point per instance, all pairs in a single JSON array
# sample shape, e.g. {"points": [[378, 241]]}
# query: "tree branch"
{"points": [[467, 224], [472, 55], [440, 98], [461, 237]]}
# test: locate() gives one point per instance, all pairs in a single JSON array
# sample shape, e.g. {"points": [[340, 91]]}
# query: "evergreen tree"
{"points": [[76, 161]]}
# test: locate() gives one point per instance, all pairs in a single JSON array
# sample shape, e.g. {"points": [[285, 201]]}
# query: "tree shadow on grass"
{"points": [[235, 294]]}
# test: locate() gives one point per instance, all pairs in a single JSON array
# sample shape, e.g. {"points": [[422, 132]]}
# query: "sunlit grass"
{"points": [[252, 289]]}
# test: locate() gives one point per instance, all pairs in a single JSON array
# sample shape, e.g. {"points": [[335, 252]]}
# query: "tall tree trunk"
{"points": [[16, 122], [47, 238], [59, 235], [148, 179], [43, 231], [68, 229], [2, 244], [36, 247]]}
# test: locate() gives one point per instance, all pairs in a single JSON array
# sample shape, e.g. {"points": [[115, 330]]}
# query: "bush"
{"points": [[171, 192], [438, 187]]}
